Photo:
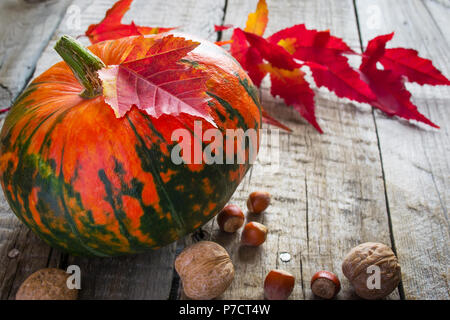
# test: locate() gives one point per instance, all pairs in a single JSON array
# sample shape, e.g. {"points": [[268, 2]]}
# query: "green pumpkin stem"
{"points": [[84, 65]]}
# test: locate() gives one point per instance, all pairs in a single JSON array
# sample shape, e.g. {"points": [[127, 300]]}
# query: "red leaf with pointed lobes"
{"points": [[338, 76], [272, 53], [158, 83], [111, 27], [392, 96], [145, 47], [291, 86], [310, 45], [407, 62], [323, 53], [374, 51], [249, 57]]}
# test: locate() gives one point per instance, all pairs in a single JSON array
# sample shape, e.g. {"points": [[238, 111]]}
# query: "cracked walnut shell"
{"points": [[205, 269], [360, 267]]}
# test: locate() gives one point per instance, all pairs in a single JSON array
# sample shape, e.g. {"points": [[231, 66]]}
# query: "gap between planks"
{"points": [[388, 212], [415, 158]]}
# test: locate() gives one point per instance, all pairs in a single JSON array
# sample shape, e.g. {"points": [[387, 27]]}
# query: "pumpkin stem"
{"points": [[84, 65]]}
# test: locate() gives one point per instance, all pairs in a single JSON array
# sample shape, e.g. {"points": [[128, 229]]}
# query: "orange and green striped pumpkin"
{"points": [[92, 184]]}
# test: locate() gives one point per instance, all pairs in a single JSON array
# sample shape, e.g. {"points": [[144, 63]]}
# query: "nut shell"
{"points": [[230, 218], [360, 258], [325, 284], [206, 270], [46, 284], [254, 234], [258, 201], [278, 285]]}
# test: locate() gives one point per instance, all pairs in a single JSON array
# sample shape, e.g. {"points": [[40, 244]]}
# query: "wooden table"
{"points": [[367, 178]]}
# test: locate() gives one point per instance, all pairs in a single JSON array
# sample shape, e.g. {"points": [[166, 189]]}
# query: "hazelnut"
{"points": [[205, 269], [258, 201], [230, 218], [254, 234], [373, 270], [325, 284], [278, 285], [46, 284]]}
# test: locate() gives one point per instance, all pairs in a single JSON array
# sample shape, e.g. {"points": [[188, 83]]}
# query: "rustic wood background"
{"points": [[368, 178]]}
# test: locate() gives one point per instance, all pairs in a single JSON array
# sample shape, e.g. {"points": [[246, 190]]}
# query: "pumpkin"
{"points": [[89, 183]]}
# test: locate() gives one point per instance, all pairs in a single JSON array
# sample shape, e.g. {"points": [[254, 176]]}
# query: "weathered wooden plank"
{"points": [[416, 158], [328, 193], [439, 10], [25, 30], [146, 276]]}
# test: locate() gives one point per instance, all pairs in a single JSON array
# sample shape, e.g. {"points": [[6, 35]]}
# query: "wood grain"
{"points": [[439, 11], [416, 158], [328, 193], [26, 30]]}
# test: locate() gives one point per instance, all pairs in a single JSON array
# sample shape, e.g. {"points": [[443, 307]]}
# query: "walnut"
{"points": [[205, 269], [373, 270], [46, 284]]}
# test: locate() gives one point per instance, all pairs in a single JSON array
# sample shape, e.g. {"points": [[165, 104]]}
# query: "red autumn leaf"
{"points": [[323, 53], [257, 21], [292, 87], [272, 53], [251, 60], [249, 57], [374, 51], [342, 79], [392, 95], [407, 62], [310, 45], [111, 27], [158, 83], [222, 28]]}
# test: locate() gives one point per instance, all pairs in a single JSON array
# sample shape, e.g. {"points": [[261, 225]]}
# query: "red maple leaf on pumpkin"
{"points": [[156, 82]]}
